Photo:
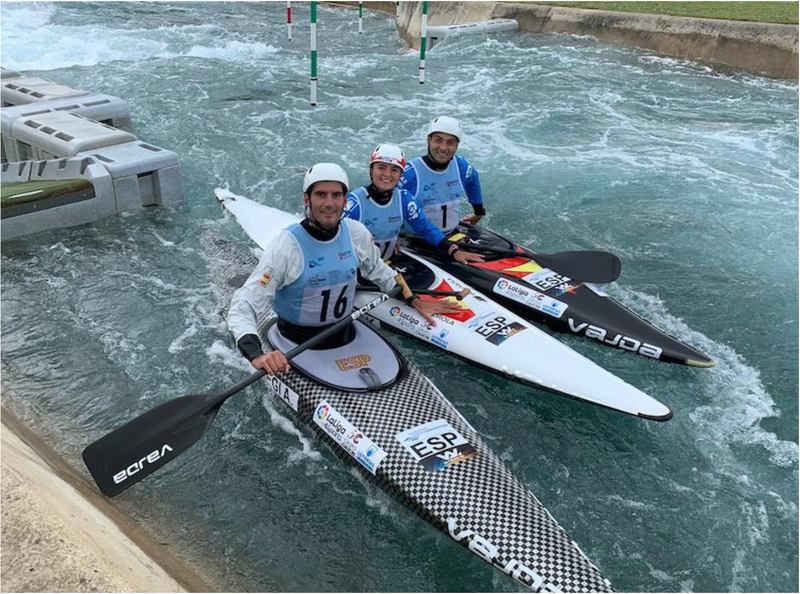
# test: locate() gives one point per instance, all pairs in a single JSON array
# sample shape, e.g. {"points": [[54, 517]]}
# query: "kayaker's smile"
{"points": [[325, 203], [385, 176], [442, 147]]}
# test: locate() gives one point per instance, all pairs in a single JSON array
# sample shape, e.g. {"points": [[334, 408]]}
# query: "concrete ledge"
{"points": [[765, 48], [60, 535]]}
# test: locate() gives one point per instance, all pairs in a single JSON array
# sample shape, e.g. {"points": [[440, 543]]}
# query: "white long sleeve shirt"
{"points": [[282, 264]]}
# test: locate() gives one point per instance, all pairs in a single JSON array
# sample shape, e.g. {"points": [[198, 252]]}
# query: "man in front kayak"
{"points": [[384, 208], [308, 275], [441, 178]]}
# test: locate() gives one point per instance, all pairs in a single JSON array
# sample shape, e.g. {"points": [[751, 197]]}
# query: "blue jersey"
{"points": [[383, 223], [325, 291], [440, 192]]}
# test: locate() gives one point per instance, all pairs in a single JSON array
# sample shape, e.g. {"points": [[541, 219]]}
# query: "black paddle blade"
{"points": [[585, 266], [140, 447]]}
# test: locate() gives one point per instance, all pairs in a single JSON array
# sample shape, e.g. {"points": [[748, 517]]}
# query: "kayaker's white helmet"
{"points": [[325, 172], [447, 125], [388, 153]]}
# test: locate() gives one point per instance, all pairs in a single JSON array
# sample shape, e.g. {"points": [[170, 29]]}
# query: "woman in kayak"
{"points": [[440, 179], [384, 208], [308, 275]]}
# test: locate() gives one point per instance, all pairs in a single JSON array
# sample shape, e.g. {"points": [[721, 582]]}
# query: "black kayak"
{"points": [[542, 295]]}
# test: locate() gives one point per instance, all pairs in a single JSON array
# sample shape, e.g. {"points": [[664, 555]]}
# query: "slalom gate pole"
{"points": [[313, 53], [360, 18], [423, 42], [289, 19]]}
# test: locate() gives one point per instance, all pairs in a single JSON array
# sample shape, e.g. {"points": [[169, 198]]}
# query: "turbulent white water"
{"points": [[688, 174]]}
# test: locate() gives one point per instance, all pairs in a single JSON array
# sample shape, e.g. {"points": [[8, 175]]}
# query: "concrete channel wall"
{"points": [[765, 48]]}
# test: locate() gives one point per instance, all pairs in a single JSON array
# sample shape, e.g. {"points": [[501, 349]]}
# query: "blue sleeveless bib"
{"points": [[325, 292], [439, 193], [384, 222]]}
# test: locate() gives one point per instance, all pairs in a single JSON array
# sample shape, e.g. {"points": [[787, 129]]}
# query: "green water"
{"points": [[690, 176]]}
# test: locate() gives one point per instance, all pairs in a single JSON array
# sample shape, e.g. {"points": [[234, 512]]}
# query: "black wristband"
{"points": [[478, 209], [411, 299], [250, 346]]}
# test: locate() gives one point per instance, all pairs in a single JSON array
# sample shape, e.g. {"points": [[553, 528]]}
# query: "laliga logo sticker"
{"points": [[395, 311], [323, 411], [502, 283]]}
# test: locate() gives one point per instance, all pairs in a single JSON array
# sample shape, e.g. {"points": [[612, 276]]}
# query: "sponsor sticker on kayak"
{"points": [[437, 445], [354, 362], [545, 279], [496, 329], [530, 297], [350, 437], [284, 392]]}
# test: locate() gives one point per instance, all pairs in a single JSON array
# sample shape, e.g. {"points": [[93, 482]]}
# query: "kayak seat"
{"points": [[366, 363]]}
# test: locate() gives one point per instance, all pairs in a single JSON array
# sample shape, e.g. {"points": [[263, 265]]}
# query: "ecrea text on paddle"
{"points": [[150, 458]]}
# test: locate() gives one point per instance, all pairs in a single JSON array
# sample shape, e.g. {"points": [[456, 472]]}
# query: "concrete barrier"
{"points": [[765, 48]]}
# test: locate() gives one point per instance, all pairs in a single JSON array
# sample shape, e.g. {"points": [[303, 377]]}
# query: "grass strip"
{"points": [[758, 12]]}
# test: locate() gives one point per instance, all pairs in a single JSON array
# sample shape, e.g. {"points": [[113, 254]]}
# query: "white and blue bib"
{"points": [[325, 291], [439, 193]]}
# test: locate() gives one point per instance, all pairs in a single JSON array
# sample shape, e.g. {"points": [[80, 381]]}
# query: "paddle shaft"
{"points": [[144, 444]]}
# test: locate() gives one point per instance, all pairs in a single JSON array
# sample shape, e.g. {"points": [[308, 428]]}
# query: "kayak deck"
{"points": [[562, 304], [464, 489]]}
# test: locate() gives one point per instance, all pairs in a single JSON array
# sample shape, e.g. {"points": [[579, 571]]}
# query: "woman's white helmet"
{"points": [[325, 172], [447, 125], [388, 153]]}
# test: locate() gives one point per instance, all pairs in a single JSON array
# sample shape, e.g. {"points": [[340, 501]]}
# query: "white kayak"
{"points": [[484, 332]]}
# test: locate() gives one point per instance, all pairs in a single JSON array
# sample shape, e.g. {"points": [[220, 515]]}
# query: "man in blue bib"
{"points": [[308, 274], [440, 179], [384, 208]]}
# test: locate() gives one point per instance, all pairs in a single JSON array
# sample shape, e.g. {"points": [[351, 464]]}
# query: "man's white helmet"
{"points": [[447, 125], [325, 172], [388, 153]]}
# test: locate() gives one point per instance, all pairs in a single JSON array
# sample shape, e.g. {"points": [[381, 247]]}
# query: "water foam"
{"points": [[737, 398]]}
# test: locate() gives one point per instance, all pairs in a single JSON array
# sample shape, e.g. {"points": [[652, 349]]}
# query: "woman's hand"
{"points": [[427, 308], [463, 257]]}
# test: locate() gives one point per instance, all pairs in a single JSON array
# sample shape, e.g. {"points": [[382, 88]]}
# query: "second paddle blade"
{"points": [[586, 266], [140, 447]]}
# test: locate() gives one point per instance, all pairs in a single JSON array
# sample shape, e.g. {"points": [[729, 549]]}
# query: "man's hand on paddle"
{"points": [[428, 308], [472, 219], [273, 362]]}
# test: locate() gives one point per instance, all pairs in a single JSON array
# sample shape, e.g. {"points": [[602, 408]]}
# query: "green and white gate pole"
{"points": [[423, 42], [313, 53], [289, 19], [360, 18]]}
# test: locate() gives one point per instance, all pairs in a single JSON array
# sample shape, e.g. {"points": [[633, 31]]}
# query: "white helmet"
{"points": [[388, 153], [325, 172], [447, 125]]}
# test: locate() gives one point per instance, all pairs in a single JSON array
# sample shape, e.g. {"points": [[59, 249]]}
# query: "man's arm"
{"points": [[472, 185], [280, 265]]}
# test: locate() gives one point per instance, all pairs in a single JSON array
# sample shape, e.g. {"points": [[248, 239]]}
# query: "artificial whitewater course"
{"points": [[688, 174]]}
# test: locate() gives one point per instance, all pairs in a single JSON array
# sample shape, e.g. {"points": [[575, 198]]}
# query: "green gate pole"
{"points": [[360, 18], [423, 42], [313, 53]]}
